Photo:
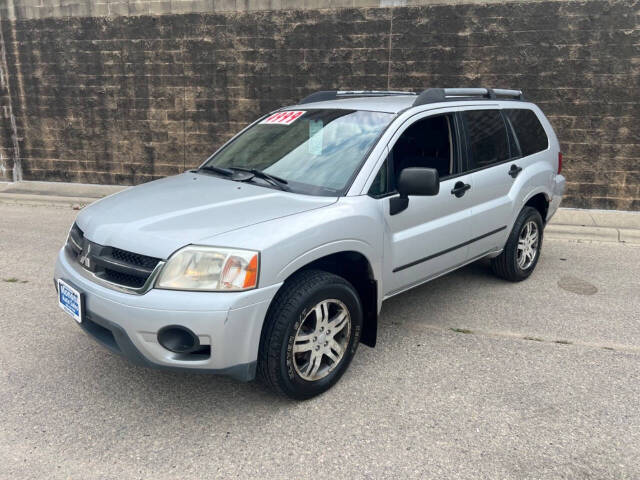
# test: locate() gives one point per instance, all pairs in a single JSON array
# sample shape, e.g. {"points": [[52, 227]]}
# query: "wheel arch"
{"points": [[540, 201], [354, 266]]}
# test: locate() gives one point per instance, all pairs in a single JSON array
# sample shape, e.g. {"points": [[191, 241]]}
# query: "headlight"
{"points": [[210, 269]]}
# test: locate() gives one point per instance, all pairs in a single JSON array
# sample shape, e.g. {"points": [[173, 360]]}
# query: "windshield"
{"points": [[317, 152]]}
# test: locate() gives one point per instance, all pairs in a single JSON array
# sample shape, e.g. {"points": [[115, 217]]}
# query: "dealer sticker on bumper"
{"points": [[70, 300]]}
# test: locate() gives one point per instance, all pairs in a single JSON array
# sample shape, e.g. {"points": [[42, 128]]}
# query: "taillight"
{"points": [[559, 162]]}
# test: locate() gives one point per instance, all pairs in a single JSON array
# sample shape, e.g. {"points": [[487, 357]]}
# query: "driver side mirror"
{"points": [[414, 181]]}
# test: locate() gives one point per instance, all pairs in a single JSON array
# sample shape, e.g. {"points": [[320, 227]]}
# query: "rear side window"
{"points": [[529, 132], [487, 133]]}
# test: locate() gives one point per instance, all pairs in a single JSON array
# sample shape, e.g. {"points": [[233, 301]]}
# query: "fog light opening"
{"points": [[178, 339]]}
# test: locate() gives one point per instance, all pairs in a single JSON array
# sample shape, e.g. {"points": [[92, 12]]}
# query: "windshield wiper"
{"points": [[272, 179], [222, 171]]}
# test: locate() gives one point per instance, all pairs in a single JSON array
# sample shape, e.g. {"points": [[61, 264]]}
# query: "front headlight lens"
{"points": [[211, 269]]}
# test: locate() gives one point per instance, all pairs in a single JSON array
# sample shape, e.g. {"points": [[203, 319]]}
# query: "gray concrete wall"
{"points": [[126, 99]]}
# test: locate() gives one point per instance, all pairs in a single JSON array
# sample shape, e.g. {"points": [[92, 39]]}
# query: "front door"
{"points": [[431, 235]]}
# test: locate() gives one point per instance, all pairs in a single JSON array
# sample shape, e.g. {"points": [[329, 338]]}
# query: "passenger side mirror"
{"points": [[414, 181]]}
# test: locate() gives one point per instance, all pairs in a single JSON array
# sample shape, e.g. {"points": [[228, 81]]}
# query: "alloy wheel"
{"points": [[321, 340], [528, 243]]}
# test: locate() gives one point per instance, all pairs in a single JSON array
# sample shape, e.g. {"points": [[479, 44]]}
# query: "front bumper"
{"points": [[229, 322]]}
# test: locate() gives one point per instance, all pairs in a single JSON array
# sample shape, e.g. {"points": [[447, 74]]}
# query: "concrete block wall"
{"points": [[104, 94]]}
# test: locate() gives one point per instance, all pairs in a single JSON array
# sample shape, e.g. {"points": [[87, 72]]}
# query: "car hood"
{"points": [[159, 217]]}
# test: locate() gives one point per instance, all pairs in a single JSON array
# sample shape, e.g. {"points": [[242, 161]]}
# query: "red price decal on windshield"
{"points": [[283, 118]]}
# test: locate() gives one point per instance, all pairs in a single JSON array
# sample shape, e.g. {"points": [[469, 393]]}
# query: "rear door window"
{"points": [[487, 136], [530, 134]]}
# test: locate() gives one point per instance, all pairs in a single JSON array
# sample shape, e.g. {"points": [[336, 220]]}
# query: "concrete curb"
{"points": [[46, 200], [578, 233], [595, 226], [570, 224], [597, 218], [63, 195]]}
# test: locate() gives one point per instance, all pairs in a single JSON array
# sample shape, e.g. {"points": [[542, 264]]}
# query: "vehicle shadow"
{"points": [[438, 295]]}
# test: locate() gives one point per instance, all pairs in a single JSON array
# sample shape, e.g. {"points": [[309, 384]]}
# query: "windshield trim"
{"points": [[338, 193]]}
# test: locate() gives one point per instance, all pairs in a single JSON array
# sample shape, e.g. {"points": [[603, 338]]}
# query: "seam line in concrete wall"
{"points": [[390, 49], [4, 79], [184, 107]]}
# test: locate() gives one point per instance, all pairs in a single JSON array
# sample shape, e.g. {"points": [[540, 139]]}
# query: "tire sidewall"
{"points": [[291, 380], [527, 215]]}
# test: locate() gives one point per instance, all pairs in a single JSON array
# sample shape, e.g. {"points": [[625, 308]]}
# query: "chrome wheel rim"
{"points": [[528, 242], [321, 340]]}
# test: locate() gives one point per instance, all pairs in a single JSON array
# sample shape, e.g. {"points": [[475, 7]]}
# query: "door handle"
{"points": [[514, 170], [460, 188]]}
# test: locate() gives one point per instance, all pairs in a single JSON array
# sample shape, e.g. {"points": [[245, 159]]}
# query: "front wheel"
{"points": [[522, 250], [312, 332]]}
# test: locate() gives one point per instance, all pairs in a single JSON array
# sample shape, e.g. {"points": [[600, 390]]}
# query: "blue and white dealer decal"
{"points": [[69, 300]]}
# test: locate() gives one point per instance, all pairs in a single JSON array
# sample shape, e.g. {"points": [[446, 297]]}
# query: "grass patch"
{"points": [[562, 342], [461, 330], [608, 348], [534, 339], [14, 280]]}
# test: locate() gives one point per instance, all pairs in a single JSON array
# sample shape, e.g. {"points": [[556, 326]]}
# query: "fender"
{"points": [[345, 245], [544, 190], [371, 290], [518, 205], [539, 179]]}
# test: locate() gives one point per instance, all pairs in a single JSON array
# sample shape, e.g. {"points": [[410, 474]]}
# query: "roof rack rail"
{"points": [[434, 95], [340, 94]]}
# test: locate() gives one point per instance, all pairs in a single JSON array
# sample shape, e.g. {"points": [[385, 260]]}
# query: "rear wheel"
{"points": [[311, 334], [522, 250]]}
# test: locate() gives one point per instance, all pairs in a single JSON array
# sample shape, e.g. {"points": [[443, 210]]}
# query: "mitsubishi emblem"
{"points": [[84, 257]]}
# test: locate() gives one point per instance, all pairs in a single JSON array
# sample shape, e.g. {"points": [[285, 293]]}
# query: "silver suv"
{"points": [[274, 257]]}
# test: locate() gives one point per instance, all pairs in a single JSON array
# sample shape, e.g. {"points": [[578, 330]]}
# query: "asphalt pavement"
{"points": [[472, 378]]}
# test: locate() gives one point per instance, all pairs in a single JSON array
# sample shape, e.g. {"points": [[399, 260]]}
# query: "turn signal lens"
{"points": [[251, 278], [238, 274]]}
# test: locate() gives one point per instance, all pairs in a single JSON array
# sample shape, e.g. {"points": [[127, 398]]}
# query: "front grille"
{"points": [[123, 279], [112, 264], [134, 258]]}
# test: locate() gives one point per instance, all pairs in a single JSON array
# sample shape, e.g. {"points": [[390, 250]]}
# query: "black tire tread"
{"points": [[288, 299], [503, 265]]}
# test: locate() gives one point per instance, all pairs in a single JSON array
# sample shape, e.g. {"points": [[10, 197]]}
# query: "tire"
{"points": [[509, 264], [292, 324]]}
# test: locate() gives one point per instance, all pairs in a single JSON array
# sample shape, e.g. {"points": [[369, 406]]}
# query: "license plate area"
{"points": [[70, 300]]}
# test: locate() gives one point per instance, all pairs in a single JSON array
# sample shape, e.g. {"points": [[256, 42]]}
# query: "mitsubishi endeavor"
{"points": [[273, 257]]}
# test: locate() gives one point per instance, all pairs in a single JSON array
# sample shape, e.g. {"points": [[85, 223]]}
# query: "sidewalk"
{"points": [[47, 193], [595, 226], [567, 224]]}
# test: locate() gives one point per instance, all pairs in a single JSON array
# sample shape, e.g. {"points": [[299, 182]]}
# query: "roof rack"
{"points": [[434, 95], [341, 94]]}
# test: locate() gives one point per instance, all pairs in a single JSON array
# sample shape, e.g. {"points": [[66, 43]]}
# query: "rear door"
{"points": [[490, 162]]}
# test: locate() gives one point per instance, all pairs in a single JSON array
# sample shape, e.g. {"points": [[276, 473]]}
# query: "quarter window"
{"points": [[487, 135], [529, 132], [380, 185]]}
